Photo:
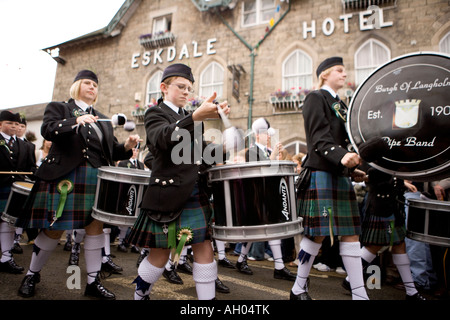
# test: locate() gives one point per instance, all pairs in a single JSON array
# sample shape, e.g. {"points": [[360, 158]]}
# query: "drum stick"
{"points": [[15, 172], [223, 116]]}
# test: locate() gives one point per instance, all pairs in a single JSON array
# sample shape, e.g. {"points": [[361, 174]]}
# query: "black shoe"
{"points": [[220, 287], [243, 267], [68, 246], [110, 266], [135, 249], [416, 297], [185, 268], [17, 249], [172, 276], [301, 296], [97, 290], [140, 258], [74, 258], [226, 263], [28, 285], [122, 247], [284, 274], [10, 266], [346, 285]]}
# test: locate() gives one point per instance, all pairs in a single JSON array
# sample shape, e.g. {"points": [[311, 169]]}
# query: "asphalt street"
{"points": [[258, 289]]}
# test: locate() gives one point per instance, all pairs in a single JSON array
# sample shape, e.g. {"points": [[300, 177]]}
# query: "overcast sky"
{"points": [[27, 73]]}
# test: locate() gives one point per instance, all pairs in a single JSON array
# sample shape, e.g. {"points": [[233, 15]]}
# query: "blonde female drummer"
{"points": [[328, 205], [176, 202], [64, 194]]}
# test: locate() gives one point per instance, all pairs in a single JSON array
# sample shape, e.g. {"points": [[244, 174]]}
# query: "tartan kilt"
{"points": [[329, 203], [382, 231], [197, 215], [4, 195], [78, 207]]}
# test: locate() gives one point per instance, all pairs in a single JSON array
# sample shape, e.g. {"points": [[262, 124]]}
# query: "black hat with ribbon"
{"points": [[328, 63], [178, 70], [86, 74], [9, 116]]}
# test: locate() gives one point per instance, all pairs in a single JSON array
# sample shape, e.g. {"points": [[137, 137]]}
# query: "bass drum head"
{"points": [[407, 102]]}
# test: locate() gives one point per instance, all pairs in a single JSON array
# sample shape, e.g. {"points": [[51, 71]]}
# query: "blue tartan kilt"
{"points": [[382, 231], [196, 214], [78, 207], [329, 204]]}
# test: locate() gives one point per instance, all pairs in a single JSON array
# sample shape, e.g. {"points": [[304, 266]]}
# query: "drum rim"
{"points": [[416, 174], [436, 240], [118, 174], [19, 185], [222, 172], [438, 205]]}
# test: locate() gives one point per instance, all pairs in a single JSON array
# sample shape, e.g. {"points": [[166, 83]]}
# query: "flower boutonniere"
{"points": [[3, 143], [78, 112]]}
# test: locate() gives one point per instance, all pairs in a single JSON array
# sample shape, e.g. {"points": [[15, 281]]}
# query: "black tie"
{"points": [[11, 143], [180, 111], [337, 98], [89, 110]]}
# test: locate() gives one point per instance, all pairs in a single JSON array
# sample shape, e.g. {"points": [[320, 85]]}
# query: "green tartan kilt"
{"points": [[78, 207], [382, 231], [329, 204], [196, 214]]}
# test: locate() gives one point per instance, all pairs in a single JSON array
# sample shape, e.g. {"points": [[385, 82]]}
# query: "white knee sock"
{"points": [[244, 251], [403, 265], [205, 276], [275, 246], [148, 274], [308, 251], [6, 240], [367, 256], [107, 245], [78, 235], [351, 257], [220, 249], [42, 249], [93, 245]]}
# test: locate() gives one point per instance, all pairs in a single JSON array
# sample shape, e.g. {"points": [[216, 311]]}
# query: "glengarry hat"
{"points": [[328, 63], [86, 74], [9, 116], [178, 70]]}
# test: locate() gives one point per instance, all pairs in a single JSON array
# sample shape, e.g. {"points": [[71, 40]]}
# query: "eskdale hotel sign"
{"points": [[368, 20]]}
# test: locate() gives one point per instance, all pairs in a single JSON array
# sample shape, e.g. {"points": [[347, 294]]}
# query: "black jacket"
{"points": [[72, 144], [172, 181], [326, 135], [24, 161]]}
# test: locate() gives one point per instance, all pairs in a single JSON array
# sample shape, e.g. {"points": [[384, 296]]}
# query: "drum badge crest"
{"points": [[406, 113]]}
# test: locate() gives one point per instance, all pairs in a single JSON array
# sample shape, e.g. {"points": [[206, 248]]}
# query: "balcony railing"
{"points": [[150, 41]]}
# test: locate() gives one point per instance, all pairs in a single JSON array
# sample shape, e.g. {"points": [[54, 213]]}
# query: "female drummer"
{"points": [[329, 206], [177, 189], [64, 193]]}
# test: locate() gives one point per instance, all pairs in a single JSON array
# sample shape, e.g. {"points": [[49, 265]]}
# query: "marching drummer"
{"points": [[328, 205], [64, 193], [13, 158], [175, 208]]}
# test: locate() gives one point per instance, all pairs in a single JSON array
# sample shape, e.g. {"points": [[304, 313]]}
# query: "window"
{"points": [[296, 147], [211, 80], [444, 44], [153, 90], [297, 71], [368, 57], [162, 24], [257, 12]]}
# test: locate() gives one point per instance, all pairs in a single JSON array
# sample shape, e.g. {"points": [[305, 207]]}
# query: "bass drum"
{"points": [[407, 102]]}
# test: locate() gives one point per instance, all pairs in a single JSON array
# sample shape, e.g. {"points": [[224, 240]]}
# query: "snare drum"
{"points": [[429, 221], [16, 200], [118, 195], [254, 201]]}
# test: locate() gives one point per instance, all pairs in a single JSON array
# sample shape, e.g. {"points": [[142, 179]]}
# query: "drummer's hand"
{"points": [[277, 152], [350, 160], [86, 118], [208, 109], [359, 176], [439, 192], [132, 142]]}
